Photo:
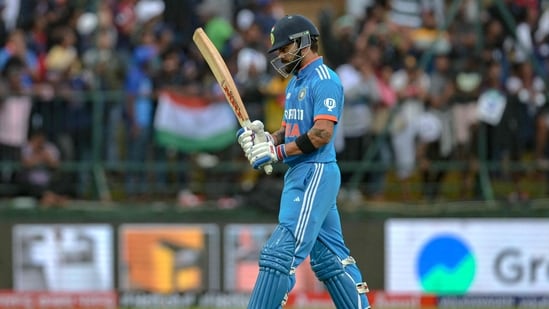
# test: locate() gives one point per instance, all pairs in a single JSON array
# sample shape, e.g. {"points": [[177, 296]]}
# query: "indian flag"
{"points": [[192, 124]]}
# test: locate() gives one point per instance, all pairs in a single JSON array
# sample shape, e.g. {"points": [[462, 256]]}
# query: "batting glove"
{"points": [[259, 130], [265, 153], [245, 137]]}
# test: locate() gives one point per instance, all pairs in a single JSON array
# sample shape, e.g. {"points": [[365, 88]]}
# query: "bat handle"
{"points": [[268, 169]]}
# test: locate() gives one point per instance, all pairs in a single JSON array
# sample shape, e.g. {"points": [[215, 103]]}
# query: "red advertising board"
{"points": [[58, 300], [383, 299], [378, 299]]}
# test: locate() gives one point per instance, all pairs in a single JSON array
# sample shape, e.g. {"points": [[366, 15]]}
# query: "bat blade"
{"points": [[225, 80]]}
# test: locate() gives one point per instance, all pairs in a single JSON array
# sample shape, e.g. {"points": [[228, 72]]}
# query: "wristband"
{"points": [[304, 143], [281, 152]]}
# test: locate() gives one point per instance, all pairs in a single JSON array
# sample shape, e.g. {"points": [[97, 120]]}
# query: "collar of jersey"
{"points": [[309, 67]]}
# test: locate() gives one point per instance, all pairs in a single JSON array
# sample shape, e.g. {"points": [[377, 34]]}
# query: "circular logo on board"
{"points": [[446, 265]]}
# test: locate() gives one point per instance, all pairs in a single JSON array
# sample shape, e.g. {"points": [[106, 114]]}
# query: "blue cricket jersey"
{"points": [[315, 92], [308, 205]]}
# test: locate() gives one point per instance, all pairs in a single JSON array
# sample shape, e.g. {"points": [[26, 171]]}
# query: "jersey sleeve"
{"points": [[328, 100]]}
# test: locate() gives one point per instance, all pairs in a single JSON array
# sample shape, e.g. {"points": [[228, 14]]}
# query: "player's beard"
{"points": [[286, 68], [293, 66]]}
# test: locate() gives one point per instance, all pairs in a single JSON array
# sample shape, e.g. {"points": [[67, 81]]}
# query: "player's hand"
{"points": [[245, 137], [254, 134], [265, 153], [260, 134]]}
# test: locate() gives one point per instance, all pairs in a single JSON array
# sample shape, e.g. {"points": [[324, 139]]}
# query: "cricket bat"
{"points": [[226, 82]]}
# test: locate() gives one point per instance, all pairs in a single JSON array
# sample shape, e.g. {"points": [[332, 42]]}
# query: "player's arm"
{"points": [[266, 153], [319, 135], [278, 136]]}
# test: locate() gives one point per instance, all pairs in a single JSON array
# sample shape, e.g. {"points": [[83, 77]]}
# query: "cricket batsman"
{"points": [[309, 222]]}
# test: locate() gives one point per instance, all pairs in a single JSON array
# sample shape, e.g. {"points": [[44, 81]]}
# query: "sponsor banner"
{"points": [[493, 301], [458, 256], [381, 299], [319, 300], [183, 300], [243, 243], [63, 257], [57, 300], [164, 258]]}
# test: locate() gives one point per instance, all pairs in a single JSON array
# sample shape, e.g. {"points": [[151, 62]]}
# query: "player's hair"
{"points": [[314, 45]]}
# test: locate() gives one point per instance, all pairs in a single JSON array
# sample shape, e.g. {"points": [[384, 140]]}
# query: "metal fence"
{"points": [[92, 142]]}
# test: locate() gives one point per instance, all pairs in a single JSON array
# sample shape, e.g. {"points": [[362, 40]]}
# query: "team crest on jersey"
{"points": [[301, 94], [330, 104]]}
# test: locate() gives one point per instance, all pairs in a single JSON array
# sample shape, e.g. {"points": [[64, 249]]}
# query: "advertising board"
{"points": [[459, 256], [63, 257], [167, 258]]}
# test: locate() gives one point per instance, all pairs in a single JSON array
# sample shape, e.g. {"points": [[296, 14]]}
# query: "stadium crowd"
{"points": [[425, 82]]}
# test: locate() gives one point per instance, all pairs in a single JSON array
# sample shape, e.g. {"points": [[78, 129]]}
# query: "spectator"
{"points": [[515, 134], [105, 69], [218, 29], [382, 111], [139, 109], [125, 20], [16, 45], [267, 13], [441, 91], [429, 35], [173, 77], [360, 91], [435, 140], [411, 85], [464, 110], [180, 16], [15, 109], [41, 35], [41, 177], [252, 70], [64, 67], [338, 38]]}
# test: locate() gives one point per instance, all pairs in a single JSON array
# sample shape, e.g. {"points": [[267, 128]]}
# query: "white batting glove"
{"points": [[265, 153], [245, 137], [261, 135]]}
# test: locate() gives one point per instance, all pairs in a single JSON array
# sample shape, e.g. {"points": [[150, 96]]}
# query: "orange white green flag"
{"points": [[192, 124]]}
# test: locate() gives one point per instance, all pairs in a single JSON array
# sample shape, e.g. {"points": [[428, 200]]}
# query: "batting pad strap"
{"points": [[348, 261], [275, 267], [362, 288]]}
